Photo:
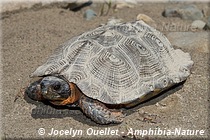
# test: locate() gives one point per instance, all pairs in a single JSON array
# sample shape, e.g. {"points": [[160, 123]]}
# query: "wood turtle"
{"points": [[114, 64]]}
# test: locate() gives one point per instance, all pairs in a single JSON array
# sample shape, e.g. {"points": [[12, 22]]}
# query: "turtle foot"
{"points": [[117, 117], [98, 112]]}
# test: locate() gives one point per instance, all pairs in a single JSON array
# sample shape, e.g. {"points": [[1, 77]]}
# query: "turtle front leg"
{"points": [[98, 112]]}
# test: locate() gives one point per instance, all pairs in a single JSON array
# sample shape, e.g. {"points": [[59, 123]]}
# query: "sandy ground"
{"points": [[30, 36]]}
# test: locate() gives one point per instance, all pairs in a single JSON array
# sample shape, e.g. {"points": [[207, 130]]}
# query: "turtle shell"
{"points": [[119, 63]]}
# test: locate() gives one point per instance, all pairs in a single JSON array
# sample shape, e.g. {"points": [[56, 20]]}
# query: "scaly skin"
{"points": [[98, 112], [93, 108]]}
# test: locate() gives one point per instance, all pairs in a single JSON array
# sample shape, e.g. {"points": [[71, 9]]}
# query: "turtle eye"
{"points": [[57, 86]]}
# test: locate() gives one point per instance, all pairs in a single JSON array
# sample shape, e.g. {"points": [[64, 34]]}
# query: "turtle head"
{"points": [[54, 89], [33, 91]]}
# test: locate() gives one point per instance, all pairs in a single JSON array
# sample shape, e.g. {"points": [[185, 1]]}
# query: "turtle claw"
{"points": [[117, 117]]}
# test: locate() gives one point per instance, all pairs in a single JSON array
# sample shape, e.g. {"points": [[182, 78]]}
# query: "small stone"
{"points": [[190, 12], [198, 24], [89, 14], [123, 5], [132, 1], [76, 6], [146, 19], [206, 10], [113, 21], [196, 41]]}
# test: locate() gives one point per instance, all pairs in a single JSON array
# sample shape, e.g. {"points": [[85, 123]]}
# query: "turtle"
{"points": [[115, 65]]}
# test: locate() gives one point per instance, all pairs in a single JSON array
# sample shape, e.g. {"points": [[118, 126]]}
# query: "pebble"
{"points": [[89, 14], [76, 6], [123, 5], [190, 12], [196, 41], [205, 10], [113, 21], [146, 19], [198, 24], [132, 1]]}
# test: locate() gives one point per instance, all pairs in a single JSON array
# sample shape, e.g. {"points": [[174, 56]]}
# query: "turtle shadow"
{"points": [[154, 100], [46, 110]]}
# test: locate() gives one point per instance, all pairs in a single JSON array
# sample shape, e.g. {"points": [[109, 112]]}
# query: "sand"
{"points": [[30, 36]]}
